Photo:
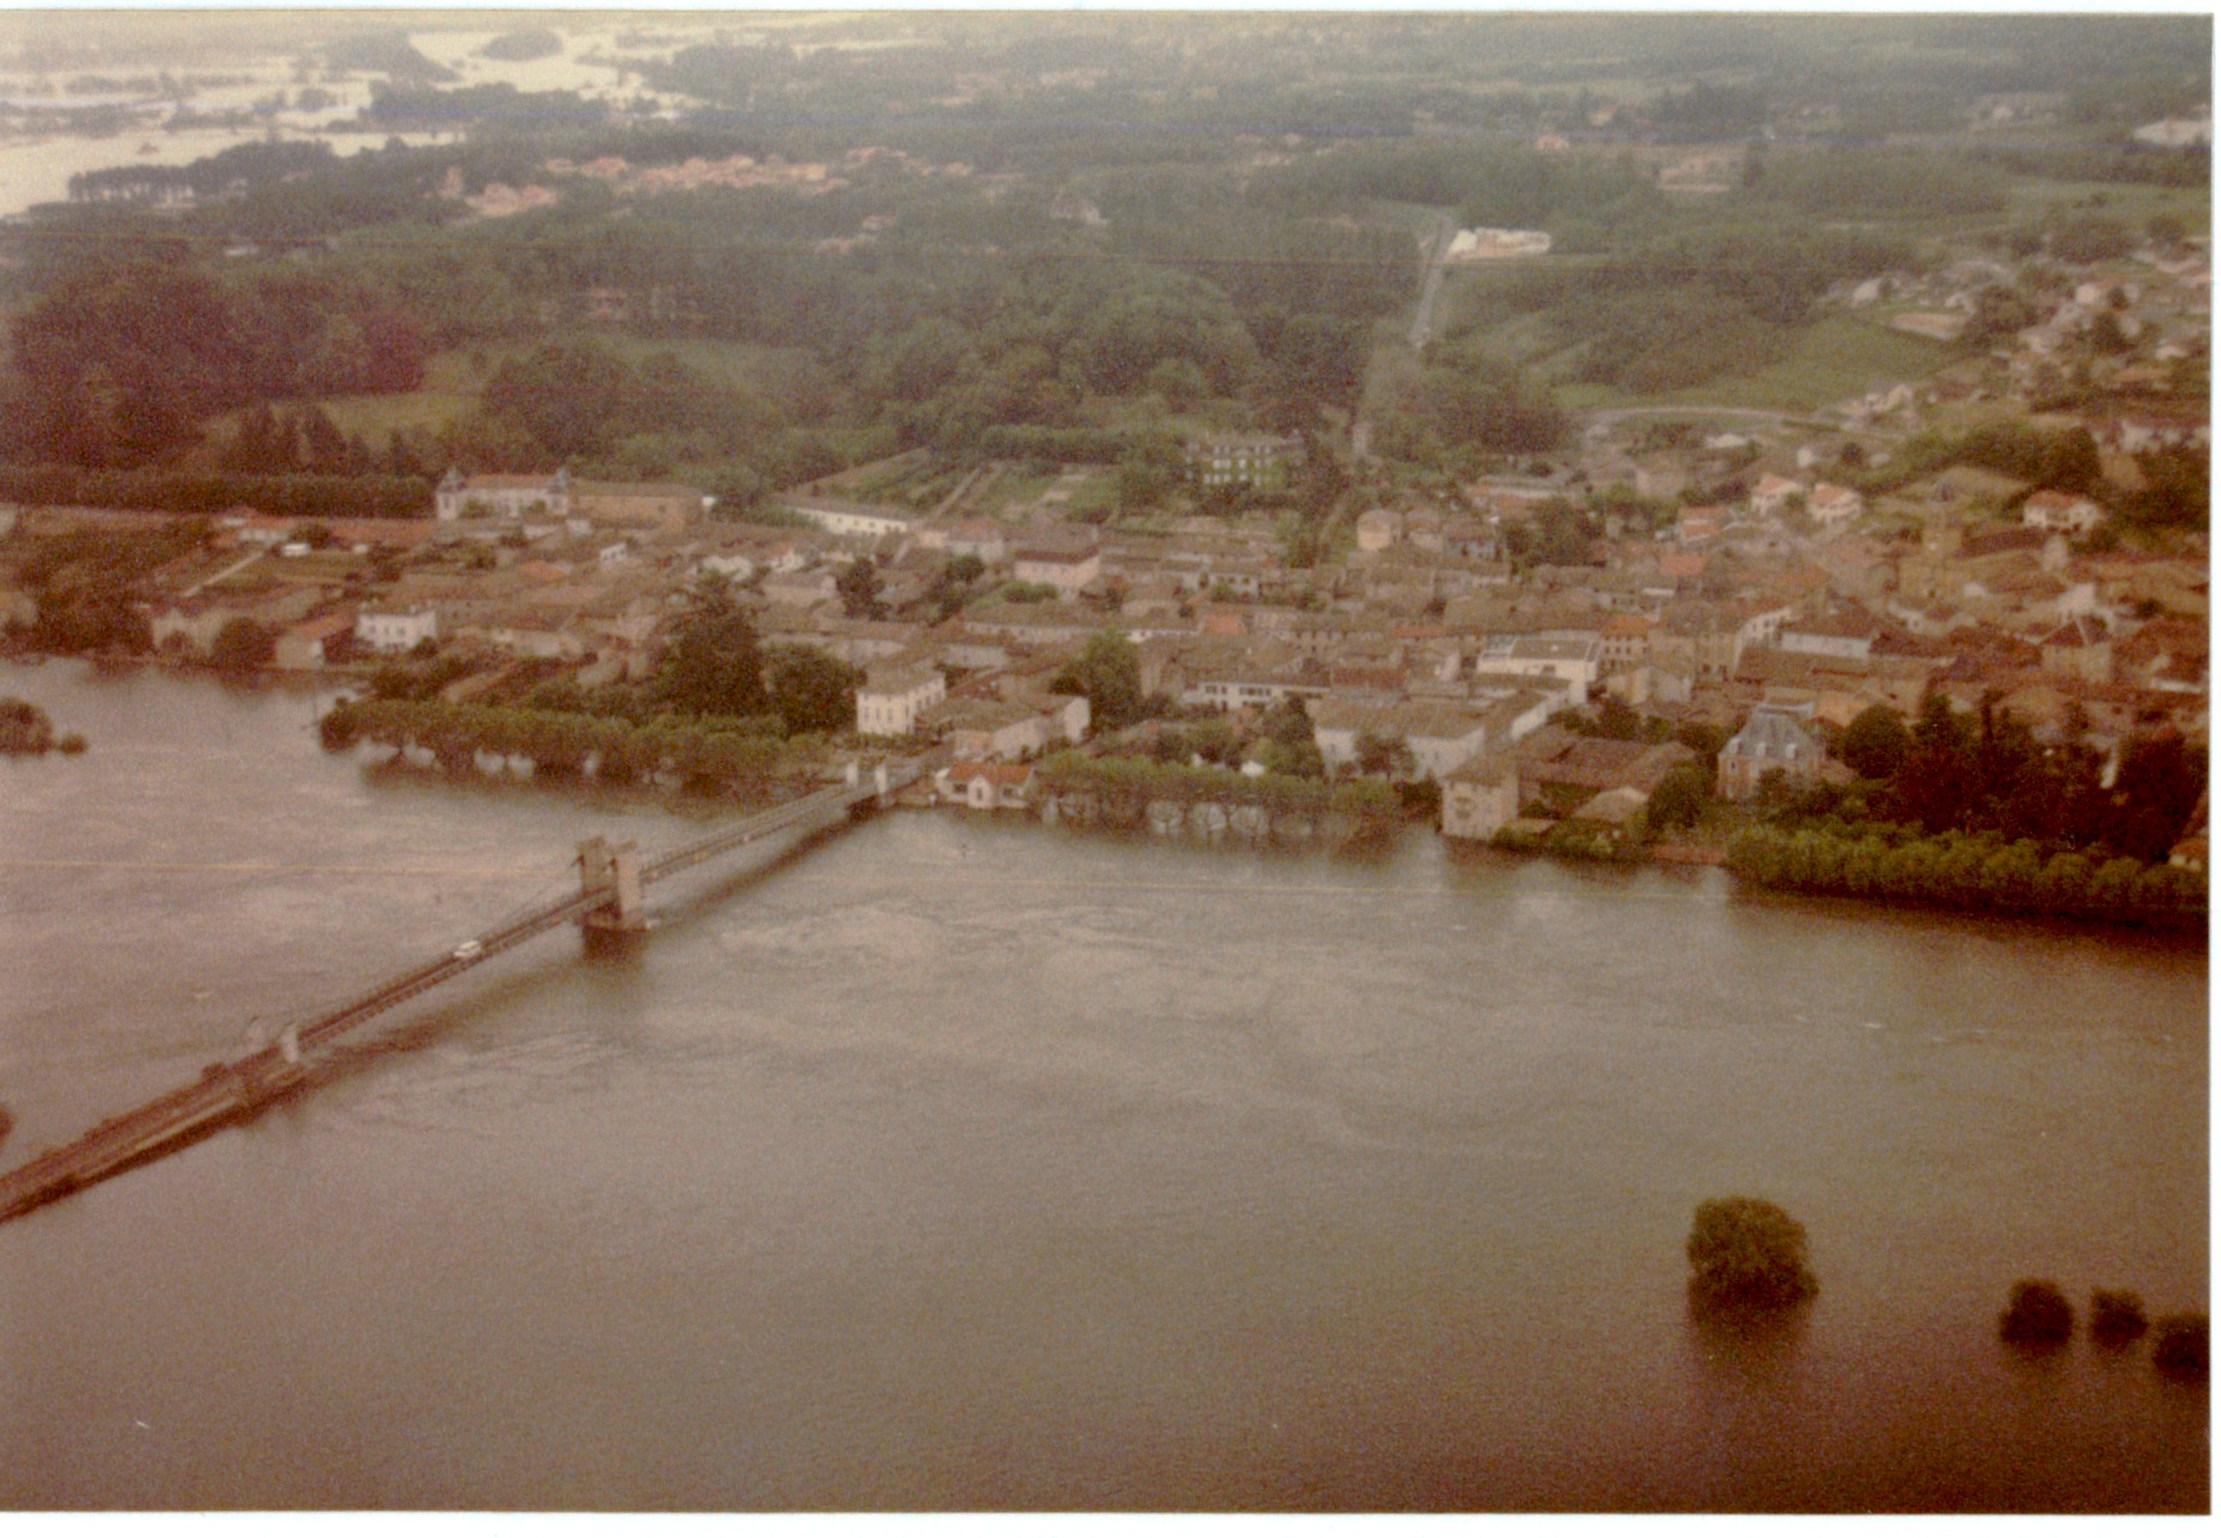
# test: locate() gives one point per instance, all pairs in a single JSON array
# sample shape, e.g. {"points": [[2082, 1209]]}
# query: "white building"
{"points": [[1571, 661], [1772, 494], [2057, 510], [850, 520], [396, 630], [504, 496], [1245, 459], [888, 703], [1833, 504]]}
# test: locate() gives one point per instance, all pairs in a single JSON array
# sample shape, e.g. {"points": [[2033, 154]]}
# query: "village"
{"points": [[1735, 593]]}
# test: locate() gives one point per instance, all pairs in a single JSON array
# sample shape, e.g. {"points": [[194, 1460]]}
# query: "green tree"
{"points": [[1287, 721], [2155, 790], [2116, 1318], [1683, 794], [24, 728], [1747, 1254], [1876, 743], [2179, 1347], [1385, 756], [858, 585], [243, 645], [1145, 478], [1999, 314], [1937, 782], [1108, 672], [714, 666], [1179, 381], [1296, 760], [812, 690], [2037, 1314], [2106, 334]]}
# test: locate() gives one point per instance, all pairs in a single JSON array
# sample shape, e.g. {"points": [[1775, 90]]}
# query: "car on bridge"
{"points": [[469, 950]]}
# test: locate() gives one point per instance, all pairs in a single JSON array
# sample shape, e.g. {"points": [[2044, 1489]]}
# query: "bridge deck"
{"points": [[240, 1086]]}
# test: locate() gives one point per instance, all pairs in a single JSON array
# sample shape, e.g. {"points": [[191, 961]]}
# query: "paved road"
{"points": [[1422, 324], [1600, 421]]}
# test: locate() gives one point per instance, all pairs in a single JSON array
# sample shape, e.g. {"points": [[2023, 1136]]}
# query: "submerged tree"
{"points": [[2116, 1318], [1747, 1254], [2179, 1347], [2037, 1314], [243, 645]]}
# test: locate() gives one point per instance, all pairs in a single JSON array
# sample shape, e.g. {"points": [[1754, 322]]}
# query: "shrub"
{"points": [[2037, 1314], [24, 728], [72, 742], [2116, 1318], [2179, 1346], [1745, 1253]]}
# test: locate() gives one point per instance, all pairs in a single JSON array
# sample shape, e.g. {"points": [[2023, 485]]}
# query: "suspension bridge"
{"points": [[608, 906]]}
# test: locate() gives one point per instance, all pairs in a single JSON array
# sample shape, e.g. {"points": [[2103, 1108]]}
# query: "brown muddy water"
{"points": [[963, 1163]]}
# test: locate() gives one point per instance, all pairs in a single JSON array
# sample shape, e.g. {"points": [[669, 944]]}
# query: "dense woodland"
{"points": [[1095, 228]]}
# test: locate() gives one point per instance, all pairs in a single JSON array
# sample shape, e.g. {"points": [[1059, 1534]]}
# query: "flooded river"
{"points": [[963, 1163]]}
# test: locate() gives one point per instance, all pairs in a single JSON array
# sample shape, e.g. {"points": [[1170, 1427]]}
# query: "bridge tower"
{"points": [[611, 871]]}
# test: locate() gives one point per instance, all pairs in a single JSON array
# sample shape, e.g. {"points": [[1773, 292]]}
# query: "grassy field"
{"points": [[2131, 203], [453, 379], [1834, 360]]}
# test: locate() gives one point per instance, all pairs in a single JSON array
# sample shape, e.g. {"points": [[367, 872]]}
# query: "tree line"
{"points": [[1977, 872], [1126, 786], [193, 493], [1984, 771], [1966, 809], [733, 757]]}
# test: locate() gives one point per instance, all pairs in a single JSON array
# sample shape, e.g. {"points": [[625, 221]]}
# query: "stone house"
{"points": [[1834, 504], [396, 630], [2080, 648], [1563, 769], [1067, 568], [304, 645], [889, 702], [557, 496], [980, 730], [1770, 498], [1775, 737], [986, 787], [1244, 459], [1480, 796]]}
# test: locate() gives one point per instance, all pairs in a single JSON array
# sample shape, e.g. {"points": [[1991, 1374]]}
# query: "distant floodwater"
{"points": [[37, 170]]}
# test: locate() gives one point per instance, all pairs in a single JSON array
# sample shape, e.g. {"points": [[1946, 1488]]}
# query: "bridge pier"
{"points": [[611, 871]]}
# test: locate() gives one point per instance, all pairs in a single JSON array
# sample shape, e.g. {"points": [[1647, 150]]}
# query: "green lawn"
{"points": [[453, 379], [2130, 202], [1834, 360], [450, 389]]}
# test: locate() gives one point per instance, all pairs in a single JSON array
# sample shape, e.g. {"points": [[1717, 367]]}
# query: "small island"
{"points": [[26, 731]]}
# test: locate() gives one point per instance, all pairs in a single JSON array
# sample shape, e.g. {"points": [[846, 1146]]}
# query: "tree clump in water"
{"points": [[2116, 1318], [2037, 1314], [25, 730], [2179, 1347], [1747, 1255]]}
